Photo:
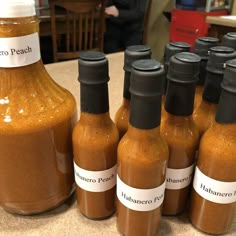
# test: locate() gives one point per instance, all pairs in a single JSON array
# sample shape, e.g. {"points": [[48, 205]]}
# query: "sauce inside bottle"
{"points": [[36, 121], [213, 200], [142, 155], [132, 53], [95, 140], [179, 130]]}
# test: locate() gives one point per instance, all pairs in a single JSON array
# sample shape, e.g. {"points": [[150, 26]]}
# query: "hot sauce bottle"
{"points": [[95, 140], [179, 130], [36, 119], [202, 46], [132, 53], [204, 115], [229, 40], [142, 155], [171, 49], [213, 201]]}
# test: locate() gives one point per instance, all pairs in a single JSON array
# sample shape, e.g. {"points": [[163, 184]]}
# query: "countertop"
{"points": [[229, 21], [66, 219]]}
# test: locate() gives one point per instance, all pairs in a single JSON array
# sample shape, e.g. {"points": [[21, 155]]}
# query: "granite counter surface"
{"points": [[66, 219]]}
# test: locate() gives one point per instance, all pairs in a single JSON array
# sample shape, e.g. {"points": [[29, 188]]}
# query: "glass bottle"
{"points": [[213, 199], [202, 46], [229, 40], [204, 115], [36, 119], [179, 130], [170, 50], [142, 155], [95, 140], [132, 53]]}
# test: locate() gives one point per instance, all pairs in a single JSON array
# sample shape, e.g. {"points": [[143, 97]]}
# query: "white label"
{"points": [[140, 199], [95, 181], [179, 178], [214, 190], [19, 51]]}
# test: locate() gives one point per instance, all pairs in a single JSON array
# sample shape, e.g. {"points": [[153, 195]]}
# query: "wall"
{"points": [[158, 27], [234, 8]]}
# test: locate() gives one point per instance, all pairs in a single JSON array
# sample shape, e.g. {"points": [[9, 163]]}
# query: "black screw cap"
{"points": [[93, 68]]}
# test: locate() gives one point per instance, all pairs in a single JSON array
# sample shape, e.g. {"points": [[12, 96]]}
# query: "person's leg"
{"points": [[112, 37]]}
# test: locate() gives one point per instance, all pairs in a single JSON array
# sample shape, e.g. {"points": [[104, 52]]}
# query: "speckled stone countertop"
{"points": [[66, 219]]}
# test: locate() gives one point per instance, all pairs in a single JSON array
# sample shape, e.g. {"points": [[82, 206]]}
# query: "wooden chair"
{"points": [[81, 28]]}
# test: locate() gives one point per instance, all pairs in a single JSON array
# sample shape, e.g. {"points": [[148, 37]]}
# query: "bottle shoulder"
{"points": [[140, 146], [180, 131], [217, 150], [95, 128], [31, 98]]}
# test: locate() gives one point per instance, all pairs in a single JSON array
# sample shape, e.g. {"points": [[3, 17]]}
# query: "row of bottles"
{"points": [[182, 129], [155, 163], [146, 163]]}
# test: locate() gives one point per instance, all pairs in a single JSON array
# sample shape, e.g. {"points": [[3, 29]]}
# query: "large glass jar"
{"points": [[36, 119]]}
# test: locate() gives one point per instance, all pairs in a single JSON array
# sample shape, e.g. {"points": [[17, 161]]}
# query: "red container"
{"points": [[187, 26]]}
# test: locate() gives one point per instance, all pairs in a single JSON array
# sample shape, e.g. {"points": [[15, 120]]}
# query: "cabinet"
{"points": [[188, 25], [203, 5]]}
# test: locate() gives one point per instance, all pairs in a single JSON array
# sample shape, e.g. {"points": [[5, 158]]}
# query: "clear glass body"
{"points": [[216, 159], [182, 137], [122, 117], [204, 115], [142, 161], [36, 121], [95, 141]]}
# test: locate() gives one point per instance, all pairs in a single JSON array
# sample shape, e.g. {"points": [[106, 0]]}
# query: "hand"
{"points": [[112, 11]]}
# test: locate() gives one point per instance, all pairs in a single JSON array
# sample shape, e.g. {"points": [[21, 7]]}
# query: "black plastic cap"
{"points": [[144, 78], [93, 68], [202, 46], [184, 67], [229, 80], [218, 56], [212, 88], [146, 93], [135, 52], [229, 40], [173, 48]]}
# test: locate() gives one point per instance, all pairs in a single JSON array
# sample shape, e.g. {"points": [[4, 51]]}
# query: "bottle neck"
{"points": [[19, 26], [178, 119], [19, 41], [126, 103], [202, 73], [145, 112], [212, 88], [94, 98], [126, 93], [139, 134], [95, 119], [165, 80], [179, 99], [226, 112]]}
